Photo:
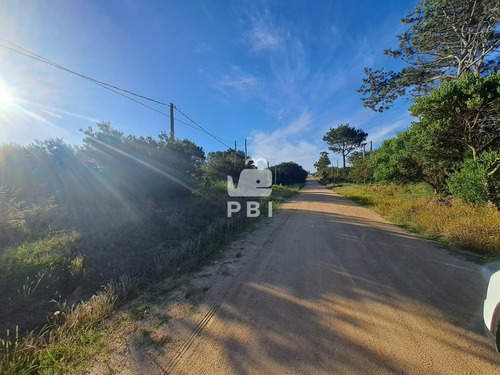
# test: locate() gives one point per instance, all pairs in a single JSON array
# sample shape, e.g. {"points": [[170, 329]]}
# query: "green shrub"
{"points": [[473, 184], [491, 159], [469, 183], [362, 171], [49, 256]]}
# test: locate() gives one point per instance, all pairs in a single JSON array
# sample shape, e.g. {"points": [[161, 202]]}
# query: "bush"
{"points": [[469, 183], [336, 174], [394, 162], [361, 171], [289, 173], [473, 184]]}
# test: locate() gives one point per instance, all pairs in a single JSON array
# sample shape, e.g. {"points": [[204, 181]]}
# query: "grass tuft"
{"points": [[72, 336], [447, 220]]}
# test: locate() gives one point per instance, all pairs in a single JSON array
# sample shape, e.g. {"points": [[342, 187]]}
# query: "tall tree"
{"points": [[343, 139], [463, 115], [323, 163], [444, 40]]}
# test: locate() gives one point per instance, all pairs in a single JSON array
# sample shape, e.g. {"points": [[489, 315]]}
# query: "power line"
{"points": [[107, 86], [201, 127], [97, 82], [47, 61]]}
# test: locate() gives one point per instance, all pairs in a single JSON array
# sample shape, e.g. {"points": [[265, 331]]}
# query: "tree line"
{"points": [[112, 166], [451, 75]]}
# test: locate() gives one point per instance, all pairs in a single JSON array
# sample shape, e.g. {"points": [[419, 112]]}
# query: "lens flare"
{"points": [[6, 97]]}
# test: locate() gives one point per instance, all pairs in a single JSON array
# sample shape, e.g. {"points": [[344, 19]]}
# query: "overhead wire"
{"points": [[45, 60], [199, 126], [108, 86]]}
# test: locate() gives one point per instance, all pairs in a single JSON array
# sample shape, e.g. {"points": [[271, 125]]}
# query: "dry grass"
{"points": [[73, 335], [150, 243], [447, 220]]}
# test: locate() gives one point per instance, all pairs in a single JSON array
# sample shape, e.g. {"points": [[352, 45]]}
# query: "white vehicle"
{"points": [[491, 308]]}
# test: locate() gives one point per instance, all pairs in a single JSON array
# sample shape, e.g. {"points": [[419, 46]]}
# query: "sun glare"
{"points": [[6, 98]]}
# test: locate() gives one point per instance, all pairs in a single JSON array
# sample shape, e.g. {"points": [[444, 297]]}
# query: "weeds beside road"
{"points": [[65, 253], [417, 209]]}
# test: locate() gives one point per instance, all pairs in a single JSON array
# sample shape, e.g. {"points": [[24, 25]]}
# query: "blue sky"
{"points": [[278, 73]]}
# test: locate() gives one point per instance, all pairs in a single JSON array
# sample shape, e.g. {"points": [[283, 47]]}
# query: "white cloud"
{"points": [[240, 81], [286, 143], [264, 38], [242, 84], [382, 132], [262, 32]]}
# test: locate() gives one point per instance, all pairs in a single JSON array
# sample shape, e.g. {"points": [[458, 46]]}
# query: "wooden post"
{"points": [[235, 149], [172, 136]]}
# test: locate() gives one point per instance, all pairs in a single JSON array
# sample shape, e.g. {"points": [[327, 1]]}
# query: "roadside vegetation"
{"points": [[439, 177], [83, 229], [447, 220]]}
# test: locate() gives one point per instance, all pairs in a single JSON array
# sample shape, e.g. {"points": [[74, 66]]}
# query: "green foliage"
{"points": [[469, 183], [343, 139], [135, 168], [335, 174], [458, 120], [50, 263], [323, 164], [462, 115], [281, 193], [444, 39], [362, 170], [474, 183], [109, 167], [12, 220], [289, 173], [75, 218], [221, 164], [394, 161]]}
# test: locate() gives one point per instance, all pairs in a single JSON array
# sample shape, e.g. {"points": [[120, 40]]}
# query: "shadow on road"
{"points": [[335, 289]]}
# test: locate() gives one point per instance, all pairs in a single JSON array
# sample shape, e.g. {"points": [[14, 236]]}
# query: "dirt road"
{"points": [[329, 287]]}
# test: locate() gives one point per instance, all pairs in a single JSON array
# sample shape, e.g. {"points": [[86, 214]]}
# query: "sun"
{"points": [[6, 97]]}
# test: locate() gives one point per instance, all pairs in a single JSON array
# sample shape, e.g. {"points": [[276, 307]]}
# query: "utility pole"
{"points": [[246, 153], [371, 146], [235, 149], [171, 122], [275, 176], [363, 145]]}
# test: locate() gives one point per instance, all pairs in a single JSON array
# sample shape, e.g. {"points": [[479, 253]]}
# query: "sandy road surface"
{"points": [[328, 287]]}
